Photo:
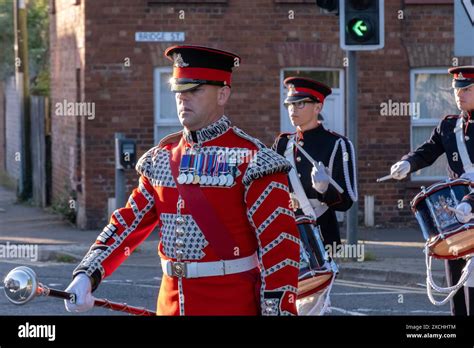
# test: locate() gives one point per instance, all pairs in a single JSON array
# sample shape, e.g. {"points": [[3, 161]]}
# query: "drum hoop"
{"points": [[435, 188], [315, 290], [436, 240], [305, 219], [310, 273], [452, 257]]}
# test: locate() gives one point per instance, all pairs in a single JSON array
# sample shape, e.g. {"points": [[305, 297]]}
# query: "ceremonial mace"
{"points": [[21, 285]]}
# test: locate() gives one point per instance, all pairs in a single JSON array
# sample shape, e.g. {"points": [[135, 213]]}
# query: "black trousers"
{"points": [[463, 302]]}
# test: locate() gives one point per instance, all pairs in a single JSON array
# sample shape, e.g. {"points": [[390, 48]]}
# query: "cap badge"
{"points": [[291, 89], [178, 61], [460, 77]]}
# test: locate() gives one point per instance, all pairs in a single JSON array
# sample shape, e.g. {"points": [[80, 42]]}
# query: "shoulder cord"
{"points": [[353, 193]]}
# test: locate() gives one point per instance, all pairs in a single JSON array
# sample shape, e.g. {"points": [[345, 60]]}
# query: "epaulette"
{"points": [[144, 164], [449, 117], [337, 134], [250, 138], [285, 135], [170, 139], [263, 163]]}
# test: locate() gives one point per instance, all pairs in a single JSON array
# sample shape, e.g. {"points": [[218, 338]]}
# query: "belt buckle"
{"points": [[178, 269]]}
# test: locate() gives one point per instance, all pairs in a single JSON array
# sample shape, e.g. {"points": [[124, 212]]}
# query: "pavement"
{"points": [[391, 255]]}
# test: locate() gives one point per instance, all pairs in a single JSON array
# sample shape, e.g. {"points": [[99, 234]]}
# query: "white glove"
{"points": [[400, 170], [82, 287], [320, 177], [464, 214], [468, 176]]}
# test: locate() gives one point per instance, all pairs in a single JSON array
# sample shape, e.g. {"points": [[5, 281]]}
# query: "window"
{"points": [[333, 109], [431, 88], [166, 115]]}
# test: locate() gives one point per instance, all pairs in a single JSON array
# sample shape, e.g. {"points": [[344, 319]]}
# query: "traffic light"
{"points": [[328, 5], [361, 24]]}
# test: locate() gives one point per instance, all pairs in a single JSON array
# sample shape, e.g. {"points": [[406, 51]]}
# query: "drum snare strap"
{"points": [[297, 186]]}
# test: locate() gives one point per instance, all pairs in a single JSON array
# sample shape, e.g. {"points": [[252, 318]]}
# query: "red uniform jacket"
{"points": [[254, 211]]}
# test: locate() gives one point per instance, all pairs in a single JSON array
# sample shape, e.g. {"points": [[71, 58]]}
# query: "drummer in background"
{"points": [[460, 154], [333, 154]]}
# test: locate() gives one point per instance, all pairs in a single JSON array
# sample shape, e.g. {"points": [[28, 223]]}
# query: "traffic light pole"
{"points": [[352, 98], [120, 198], [22, 79]]}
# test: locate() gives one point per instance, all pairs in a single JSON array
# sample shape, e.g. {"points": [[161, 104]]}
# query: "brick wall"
{"points": [[124, 96], [268, 41], [67, 56]]}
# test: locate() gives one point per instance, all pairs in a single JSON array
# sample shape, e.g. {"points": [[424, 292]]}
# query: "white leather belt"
{"points": [[208, 269]]}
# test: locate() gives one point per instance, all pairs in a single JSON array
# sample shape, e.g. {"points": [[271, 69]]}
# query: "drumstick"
{"points": [[386, 177], [331, 180]]}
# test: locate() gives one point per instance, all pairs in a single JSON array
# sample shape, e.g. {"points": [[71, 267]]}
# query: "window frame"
{"points": [[423, 122], [157, 121]]}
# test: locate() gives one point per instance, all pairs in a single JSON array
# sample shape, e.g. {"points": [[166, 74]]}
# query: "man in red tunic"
{"points": [[228, 240]]}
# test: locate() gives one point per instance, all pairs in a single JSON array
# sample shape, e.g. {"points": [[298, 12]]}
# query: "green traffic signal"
{"points": [[360, 29], [362, 24]]}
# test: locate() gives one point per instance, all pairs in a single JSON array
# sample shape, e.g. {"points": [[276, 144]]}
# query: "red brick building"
{"points": [[95, 57]]}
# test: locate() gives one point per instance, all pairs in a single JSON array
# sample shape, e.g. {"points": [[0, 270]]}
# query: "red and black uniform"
{"points": [[254, 211], [325, 146], [333, 150]]}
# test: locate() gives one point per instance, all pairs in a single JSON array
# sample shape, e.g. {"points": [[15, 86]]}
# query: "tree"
{"points": [[38, 43], [7, 54]]}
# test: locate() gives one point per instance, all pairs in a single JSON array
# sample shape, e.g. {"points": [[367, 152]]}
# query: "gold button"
{"points": [[298, 159], [299, 175], [300, 143], [467, 137]]}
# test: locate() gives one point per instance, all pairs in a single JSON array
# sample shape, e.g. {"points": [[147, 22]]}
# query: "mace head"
{"points": [[20, 285]]}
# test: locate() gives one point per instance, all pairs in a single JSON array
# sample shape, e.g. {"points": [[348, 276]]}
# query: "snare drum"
{"points": [[316, 267], [445, 236]]}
